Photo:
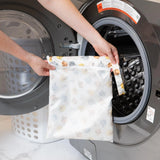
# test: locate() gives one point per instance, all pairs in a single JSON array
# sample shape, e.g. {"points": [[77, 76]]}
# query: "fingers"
{"points": [[48, 66], [117, 58], [44, 68], [115, 54], [46, 73], [105, 48], [111, 57]]}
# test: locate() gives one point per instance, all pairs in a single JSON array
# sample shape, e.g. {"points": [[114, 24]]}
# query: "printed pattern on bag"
{"points": [[80, 98]]}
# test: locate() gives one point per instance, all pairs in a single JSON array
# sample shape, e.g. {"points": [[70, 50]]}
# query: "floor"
{"points": [[13, 147]]}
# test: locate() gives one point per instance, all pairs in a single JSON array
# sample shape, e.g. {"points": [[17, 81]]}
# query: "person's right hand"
{"points": [[40, 66], [104, 48]]}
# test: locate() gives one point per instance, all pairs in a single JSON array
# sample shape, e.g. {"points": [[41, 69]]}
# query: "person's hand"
{"points": [[40, 66], [104, 48]]}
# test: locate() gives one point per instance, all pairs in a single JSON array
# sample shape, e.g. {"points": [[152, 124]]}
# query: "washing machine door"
{"points": [[39, 32], [135, 114]]}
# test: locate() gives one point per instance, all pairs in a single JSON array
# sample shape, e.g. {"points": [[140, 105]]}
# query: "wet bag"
{"points": [[80, 95]]}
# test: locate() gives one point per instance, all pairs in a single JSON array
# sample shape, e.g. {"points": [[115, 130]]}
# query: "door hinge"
{"points": [[70, 45]]}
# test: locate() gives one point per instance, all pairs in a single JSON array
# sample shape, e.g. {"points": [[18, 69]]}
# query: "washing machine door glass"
{"points": [[16, 77]]}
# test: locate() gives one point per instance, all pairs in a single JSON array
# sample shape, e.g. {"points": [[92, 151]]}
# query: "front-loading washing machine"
{"points": [[133, 26]]}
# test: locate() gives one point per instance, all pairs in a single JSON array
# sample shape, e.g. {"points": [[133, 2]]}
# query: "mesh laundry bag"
{"points": [[80, 97]]}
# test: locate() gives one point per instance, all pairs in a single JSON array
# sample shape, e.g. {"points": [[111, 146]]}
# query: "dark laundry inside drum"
{"points": [[133, 83], [131, 69]]}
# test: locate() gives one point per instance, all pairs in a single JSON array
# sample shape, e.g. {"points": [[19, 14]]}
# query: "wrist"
{"points": [[96, 40], [28, 57]]}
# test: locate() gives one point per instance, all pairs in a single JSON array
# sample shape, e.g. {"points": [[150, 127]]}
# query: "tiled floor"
{"points": [[13, 147]]}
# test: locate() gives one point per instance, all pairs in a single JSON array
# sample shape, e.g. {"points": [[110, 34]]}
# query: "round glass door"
{"points": [[16, 77]]}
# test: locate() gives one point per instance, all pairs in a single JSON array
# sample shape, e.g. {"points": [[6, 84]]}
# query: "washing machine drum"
{"points": [[136, 41], [133, 62], [39, 32], [134, 68]]}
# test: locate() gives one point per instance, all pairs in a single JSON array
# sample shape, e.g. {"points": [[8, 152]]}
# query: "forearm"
{"points": [[9, 46], [67, 12]]}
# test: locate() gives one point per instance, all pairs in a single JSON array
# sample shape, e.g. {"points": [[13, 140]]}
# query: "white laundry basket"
{"points": [[32, 126]]}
